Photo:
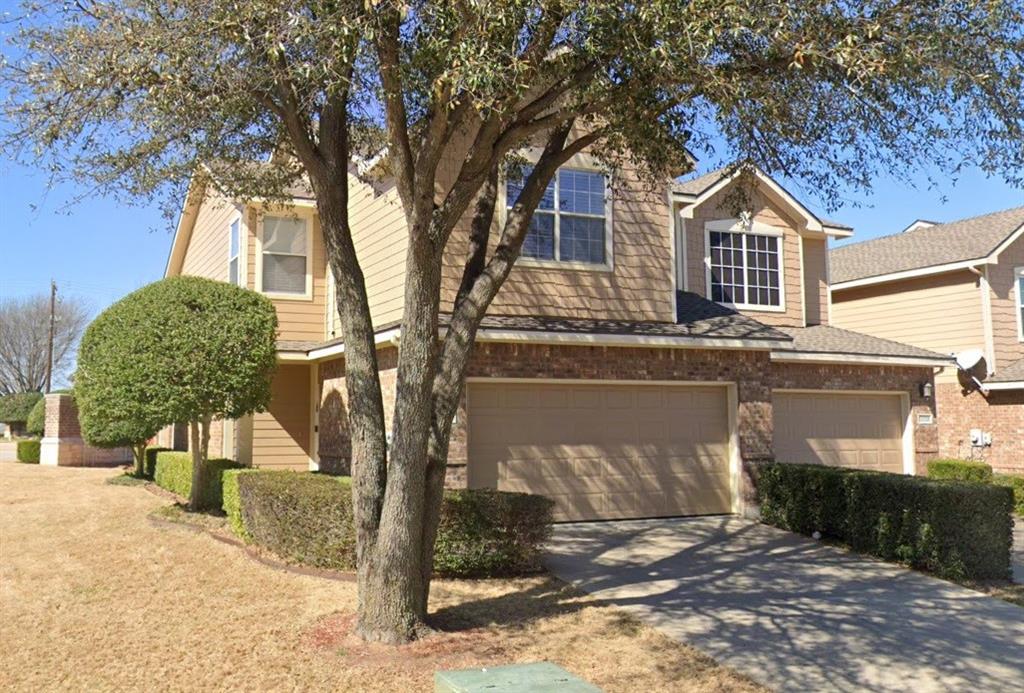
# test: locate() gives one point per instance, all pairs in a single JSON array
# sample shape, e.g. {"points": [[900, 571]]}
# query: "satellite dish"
{"points": [[969, 358]]}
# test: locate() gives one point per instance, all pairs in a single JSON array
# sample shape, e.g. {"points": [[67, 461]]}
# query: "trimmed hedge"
{"points": [[28, 451], [307, 518], [487, 533], [960, 470], [1016, 484], [151, 454], [174, 472], [954, 529]]}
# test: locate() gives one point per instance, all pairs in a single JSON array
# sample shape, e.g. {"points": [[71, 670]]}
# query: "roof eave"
{"points": [[913, 273], [790, 356]]}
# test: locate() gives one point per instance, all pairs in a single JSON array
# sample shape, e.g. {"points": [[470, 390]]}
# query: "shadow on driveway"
{"points": [[793, 613]]}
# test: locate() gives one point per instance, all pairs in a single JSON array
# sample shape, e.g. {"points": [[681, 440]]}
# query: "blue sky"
{"points": [[100, 250]]}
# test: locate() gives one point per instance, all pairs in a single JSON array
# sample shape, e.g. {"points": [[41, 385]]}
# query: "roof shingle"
{"points": [[1014, 373], [824, 339], [957, 241]]}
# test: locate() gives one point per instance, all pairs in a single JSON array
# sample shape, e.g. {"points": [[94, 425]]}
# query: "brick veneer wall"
{"points": [[1001, 413], [753, 372], [62, 442]]}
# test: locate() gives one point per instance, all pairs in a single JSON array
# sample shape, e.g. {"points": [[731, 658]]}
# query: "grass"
{"points": [[127, 479], [1007, 591], [98, 598]]}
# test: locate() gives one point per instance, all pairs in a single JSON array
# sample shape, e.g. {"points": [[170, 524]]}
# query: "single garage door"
{"points": [[603, 451], [844, 430]]}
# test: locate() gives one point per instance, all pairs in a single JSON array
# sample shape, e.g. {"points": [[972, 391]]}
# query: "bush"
{"points": [[307, 518], [28, 451], [232, 502], [1016, 484], [488, 533], [150, 469], [35, 424], [956, 530], [960, 470], [174, 473], [16, 408]]}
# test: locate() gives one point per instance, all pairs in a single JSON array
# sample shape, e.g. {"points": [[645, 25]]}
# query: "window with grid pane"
{"points": [[570, 223], [234, 246], [284, 255], [745, 269]]}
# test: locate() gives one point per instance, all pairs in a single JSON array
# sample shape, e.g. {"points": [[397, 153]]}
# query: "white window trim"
{"points": [[754, 228], [308, 294], [609, 260], [1018, 275], [242, 243]]}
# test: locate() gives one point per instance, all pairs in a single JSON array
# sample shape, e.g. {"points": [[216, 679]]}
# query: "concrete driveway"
{"points": [[792, 613]]}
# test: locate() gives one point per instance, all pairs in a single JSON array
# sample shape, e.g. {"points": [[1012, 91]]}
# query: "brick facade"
{"points": [[1000, 413], [752, 371], [62, 443]]}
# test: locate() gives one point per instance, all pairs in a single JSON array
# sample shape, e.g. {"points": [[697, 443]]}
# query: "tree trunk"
{"points": [[395, 581], [200, 432], [139, 453]]}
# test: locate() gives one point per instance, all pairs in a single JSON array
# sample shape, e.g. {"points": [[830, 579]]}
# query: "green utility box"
{"points": [[537, 677]]}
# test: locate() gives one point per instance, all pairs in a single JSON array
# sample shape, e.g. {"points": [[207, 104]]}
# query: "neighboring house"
{"points": [[648, 348], [953, 288]]}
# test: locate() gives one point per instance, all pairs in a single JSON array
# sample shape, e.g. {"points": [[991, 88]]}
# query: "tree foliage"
{"points": [[35, 424], [17, 407], [136, 95], [183, 349], [24, 332]]}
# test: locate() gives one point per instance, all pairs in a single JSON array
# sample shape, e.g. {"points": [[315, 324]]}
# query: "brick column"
{"points": [[62, 443]]}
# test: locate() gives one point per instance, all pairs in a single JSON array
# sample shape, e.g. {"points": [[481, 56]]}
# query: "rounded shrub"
{"points": [[183, 349], [28, 451], [35, 424]]}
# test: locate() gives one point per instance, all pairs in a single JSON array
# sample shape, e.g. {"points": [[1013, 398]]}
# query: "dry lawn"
{"points": [[94, 595]]}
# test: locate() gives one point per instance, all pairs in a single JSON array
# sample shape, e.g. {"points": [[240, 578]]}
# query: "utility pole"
{"points": [[49, 344]]}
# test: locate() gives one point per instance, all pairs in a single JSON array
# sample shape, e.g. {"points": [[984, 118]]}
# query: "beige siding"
{"points": [[764, 211], [940, 312], [381, 238], [815, 280], [301, 318], [638, 286], [207, 251], [1005, 319], [281, 436]]}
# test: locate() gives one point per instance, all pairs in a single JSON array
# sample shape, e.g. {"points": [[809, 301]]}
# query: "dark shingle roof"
{"points": [[824, 339], [957, 241], [696, 318], [1014, 373]]}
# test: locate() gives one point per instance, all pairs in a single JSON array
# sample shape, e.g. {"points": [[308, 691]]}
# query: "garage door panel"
{"points": [[610, 451], [863, 431]]}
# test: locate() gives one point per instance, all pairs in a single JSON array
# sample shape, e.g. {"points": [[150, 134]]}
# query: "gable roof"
{"points": [[695, 190], [953, 243]]}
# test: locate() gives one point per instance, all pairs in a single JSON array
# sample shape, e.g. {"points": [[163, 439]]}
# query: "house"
{"points": [[649, 349], [953, 288]]}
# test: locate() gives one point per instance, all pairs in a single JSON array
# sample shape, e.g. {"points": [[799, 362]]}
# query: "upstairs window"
{"points": [[1018, 276], [234, 251], [745, 268], [571, 223], [285, 256]]}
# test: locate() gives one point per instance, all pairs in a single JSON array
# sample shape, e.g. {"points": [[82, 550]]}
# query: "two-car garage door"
{"points": [[603, 451]]}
